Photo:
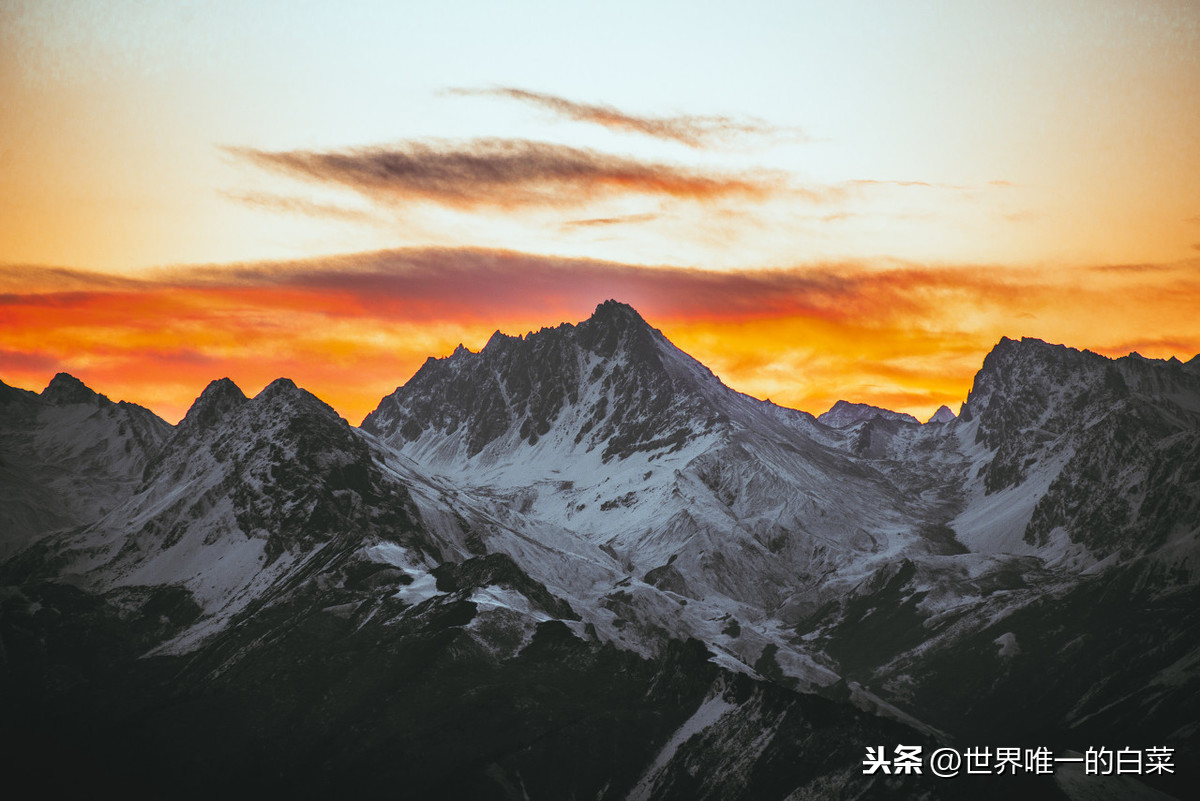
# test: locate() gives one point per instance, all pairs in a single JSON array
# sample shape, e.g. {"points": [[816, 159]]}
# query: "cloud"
{"points": [[351, 328], [1149, 345], [625, 219], [294, 205], [14, 361], [868, 182], [21, 279], [439, 283], [692, 130], [504, 174], [1134, 268]]}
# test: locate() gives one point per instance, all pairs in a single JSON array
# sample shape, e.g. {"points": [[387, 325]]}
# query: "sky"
{"points": [[817, 200]]}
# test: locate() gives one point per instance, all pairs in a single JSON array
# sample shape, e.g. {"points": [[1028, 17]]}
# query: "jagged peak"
{"points": [[65, 388], [280, 387], [844, 413], [283, 392], [614, 311], [223, 387], [499, 339], [943, 415], [1011, 353], [216, 401], [615, 327], [1033, 367], [1030, 344]]}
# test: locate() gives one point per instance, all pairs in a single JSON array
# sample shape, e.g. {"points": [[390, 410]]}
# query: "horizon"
{"points": [[175, 420], [818, 202]]}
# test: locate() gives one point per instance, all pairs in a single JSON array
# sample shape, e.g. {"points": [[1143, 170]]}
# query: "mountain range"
{"points": [[575, 564]]}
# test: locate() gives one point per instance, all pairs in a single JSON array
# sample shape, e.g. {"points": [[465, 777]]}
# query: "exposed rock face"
{"points": [[611, 382], [1117, 440]]}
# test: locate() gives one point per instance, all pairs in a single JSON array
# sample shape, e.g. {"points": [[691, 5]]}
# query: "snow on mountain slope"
{"points": [[67, 456], [844, 413], [607, 429], [1083, 454], [243, 495], [734, 528], [797, 548], [1071, 480]]}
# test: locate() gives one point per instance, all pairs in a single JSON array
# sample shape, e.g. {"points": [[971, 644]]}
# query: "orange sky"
{"points": [[818, 201], [352, 329]]}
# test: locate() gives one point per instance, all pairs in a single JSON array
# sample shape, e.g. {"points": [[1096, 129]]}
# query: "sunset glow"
{"points": [[851, 200]]}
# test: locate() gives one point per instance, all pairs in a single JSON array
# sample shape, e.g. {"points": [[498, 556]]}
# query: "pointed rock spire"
{"points": [[942, 415], [65, 388], [217, 400]]}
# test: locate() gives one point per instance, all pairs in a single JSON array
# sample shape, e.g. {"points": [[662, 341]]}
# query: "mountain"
{"points": [[67, 456], [844, 413], [1088, 452], [611, 382], [243, 495], [1072, 484], [576, 564], [942, 415], [932, 559], [270, 600], [605, 441]]}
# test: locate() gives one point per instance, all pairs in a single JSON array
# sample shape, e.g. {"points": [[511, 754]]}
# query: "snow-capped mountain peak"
{"points": [[845, 413], [611, 382], [942, 415]]}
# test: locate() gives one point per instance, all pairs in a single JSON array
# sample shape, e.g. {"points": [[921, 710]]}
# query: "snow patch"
{"points": [[1008, 645], [709, 712]]}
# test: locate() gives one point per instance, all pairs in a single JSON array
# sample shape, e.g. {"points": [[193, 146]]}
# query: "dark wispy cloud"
{"points": [[624, 219], [436, 283], [697, 131], [505, 174], [441, 283]]}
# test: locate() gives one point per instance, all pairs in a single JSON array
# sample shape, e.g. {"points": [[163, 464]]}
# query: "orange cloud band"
{"points": [[352, 328]]}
